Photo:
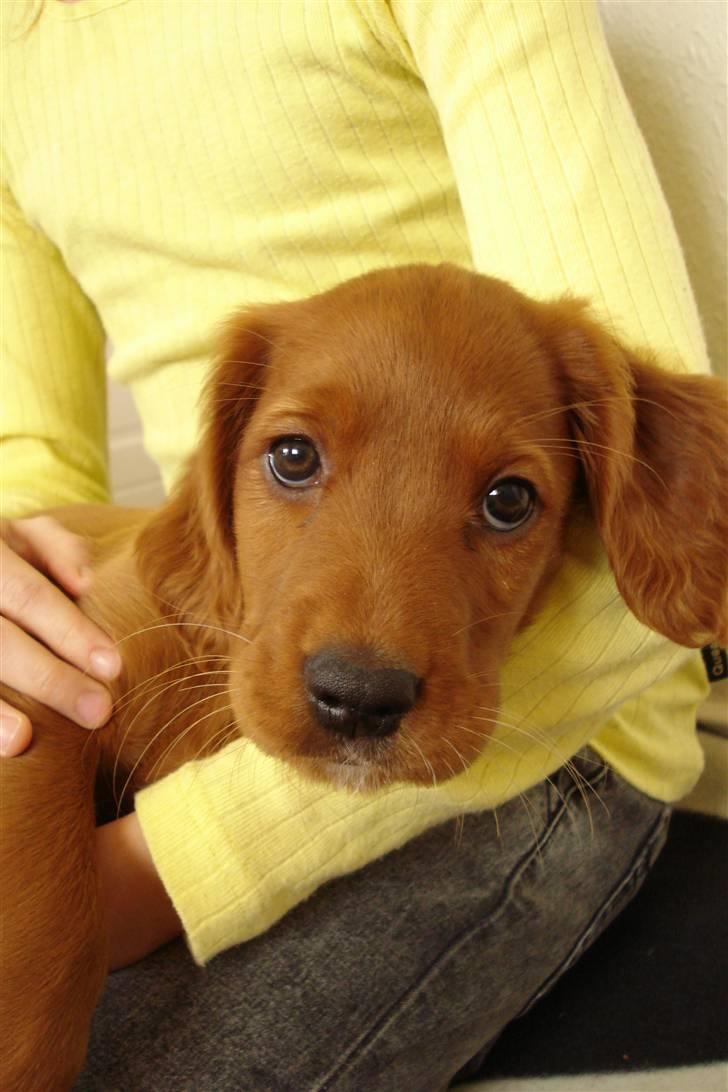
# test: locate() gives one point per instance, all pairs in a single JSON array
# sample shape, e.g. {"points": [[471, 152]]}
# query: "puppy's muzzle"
{"points": [[355, 700]]}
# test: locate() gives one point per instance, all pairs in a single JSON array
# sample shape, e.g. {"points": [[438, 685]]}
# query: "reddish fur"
{"points": [[421, 386]]}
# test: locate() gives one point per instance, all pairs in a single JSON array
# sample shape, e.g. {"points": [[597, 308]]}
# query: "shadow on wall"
{"points": [[671, 59]]}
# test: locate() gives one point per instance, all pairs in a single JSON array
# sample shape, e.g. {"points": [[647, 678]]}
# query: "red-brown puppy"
{"points": [[377, 504]]}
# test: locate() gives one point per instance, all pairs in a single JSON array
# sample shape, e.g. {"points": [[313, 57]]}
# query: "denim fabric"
{"points": [[391, 979]]}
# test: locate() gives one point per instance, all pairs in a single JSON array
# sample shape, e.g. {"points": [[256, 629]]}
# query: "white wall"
{"points": [[134, 476]]}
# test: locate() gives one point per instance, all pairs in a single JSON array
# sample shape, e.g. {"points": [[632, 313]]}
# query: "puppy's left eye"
{"points": [[294, 461], [509, 503]]}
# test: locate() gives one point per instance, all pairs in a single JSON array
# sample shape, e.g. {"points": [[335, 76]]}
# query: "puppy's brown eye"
{"points": [[294, 461], [509, 503]]}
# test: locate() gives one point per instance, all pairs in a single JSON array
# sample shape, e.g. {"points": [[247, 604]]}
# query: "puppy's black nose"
{"points": [[353, 700]]}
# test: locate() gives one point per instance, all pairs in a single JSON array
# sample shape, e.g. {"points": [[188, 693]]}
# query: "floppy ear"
{"points": [[185, 555], [654, 448]]}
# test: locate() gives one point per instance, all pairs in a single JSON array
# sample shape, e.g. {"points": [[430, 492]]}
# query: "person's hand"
{"points": [[50, 650], [139, 913]]}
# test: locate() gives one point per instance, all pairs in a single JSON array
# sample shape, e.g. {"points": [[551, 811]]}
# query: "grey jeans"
{"points": [[391, 979]]}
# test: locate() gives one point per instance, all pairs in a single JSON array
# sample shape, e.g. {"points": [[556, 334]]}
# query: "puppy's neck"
{"points": [[171, 698]]}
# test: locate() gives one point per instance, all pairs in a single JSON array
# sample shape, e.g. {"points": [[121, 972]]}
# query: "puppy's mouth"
{"points": [[364, 721]]}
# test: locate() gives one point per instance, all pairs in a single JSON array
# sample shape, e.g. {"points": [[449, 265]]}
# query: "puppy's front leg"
{"points": [[52, 938]]}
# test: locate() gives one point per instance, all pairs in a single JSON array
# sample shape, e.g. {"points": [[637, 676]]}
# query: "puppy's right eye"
{"points": [[294, 461]]}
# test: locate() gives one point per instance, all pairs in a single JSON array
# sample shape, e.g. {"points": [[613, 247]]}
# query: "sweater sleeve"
{"points": [[556, 183], [558, 195], [239, 840], [53, 404]]}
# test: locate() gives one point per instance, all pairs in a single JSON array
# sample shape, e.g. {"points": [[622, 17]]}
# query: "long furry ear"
{"points": [[654, 448], [185, 555]]}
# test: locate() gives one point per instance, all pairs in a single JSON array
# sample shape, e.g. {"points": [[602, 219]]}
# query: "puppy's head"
{"points": [[384, 484]]}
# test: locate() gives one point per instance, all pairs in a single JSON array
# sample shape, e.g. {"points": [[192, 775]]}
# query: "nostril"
{"points": [[353, 699], [327, 697]]}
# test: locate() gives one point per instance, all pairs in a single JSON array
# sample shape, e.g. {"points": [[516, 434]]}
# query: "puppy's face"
{"points": [[400, 495], [380, 499]]}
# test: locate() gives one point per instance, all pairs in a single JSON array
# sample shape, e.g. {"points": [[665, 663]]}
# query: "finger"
{"points": [[46, 545], [36, 605], [16, 731], [30, 668]]}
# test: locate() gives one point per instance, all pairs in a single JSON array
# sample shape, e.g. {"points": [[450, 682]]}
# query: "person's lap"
{"points": [[390, 979]]}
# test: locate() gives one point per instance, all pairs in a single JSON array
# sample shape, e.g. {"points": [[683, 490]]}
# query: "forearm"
{"points": [[140, 914]]}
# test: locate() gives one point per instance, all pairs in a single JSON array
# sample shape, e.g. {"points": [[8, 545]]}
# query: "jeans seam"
{"points": [[633, 876], [366, 1040]]}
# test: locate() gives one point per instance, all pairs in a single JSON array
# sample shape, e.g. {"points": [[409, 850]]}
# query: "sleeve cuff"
{"points": [[238, 839]]}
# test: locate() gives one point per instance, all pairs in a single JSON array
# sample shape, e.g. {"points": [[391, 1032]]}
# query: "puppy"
{"points": [[376, 507]]}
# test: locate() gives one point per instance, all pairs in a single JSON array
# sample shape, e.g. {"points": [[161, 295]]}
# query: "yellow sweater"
{"points": [[165, 161]]}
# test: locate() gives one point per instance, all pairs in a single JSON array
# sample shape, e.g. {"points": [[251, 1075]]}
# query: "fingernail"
{"points": [[86, 575], [92, 708], [10, 728], [105, 662]]}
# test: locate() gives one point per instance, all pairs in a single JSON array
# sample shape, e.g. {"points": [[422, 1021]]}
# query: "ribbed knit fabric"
{"points": [[167, 161]]}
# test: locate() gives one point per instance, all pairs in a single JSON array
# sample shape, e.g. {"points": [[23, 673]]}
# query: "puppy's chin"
{"points": [[345, 767], [359, 773], [363, 777]]}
